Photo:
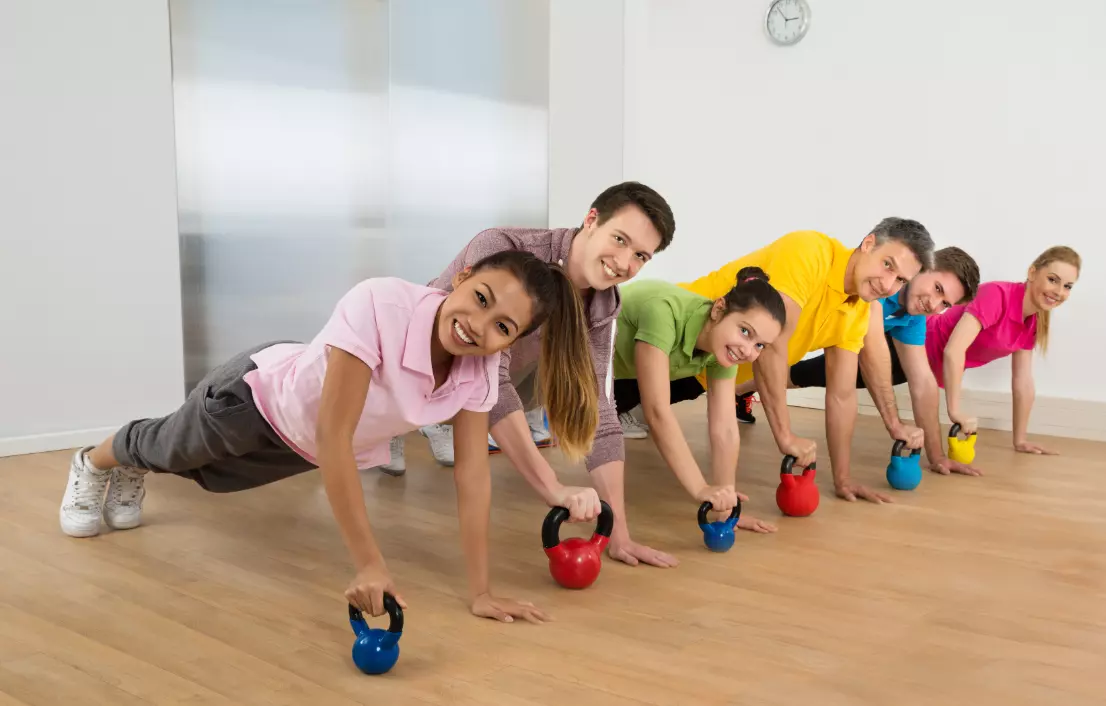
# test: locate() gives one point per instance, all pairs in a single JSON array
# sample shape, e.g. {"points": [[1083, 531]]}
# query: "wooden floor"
{"points": [[972, 591]]}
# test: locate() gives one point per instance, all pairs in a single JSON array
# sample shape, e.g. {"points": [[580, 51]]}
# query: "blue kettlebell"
{"points": [[718, 536], [375, 651], [904, 472]]}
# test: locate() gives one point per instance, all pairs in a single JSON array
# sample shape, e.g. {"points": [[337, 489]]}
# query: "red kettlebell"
{"points": [[797, 496], [575, 562]]}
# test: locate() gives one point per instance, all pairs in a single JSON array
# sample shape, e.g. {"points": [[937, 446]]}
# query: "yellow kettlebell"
{"points": [[961, 450]]}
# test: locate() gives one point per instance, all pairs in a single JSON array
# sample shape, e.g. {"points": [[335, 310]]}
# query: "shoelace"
{"points": [[131, 484], [748, 404], [88, 490]]}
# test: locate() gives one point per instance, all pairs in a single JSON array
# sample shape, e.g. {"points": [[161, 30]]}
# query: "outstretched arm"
{"points": [[770, 371], [955, 355], [345, 389], [1024, 394], [472, 476]]}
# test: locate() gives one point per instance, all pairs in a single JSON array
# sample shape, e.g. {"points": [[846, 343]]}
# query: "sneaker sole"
{"points": [[122, 525], [81, 531]]}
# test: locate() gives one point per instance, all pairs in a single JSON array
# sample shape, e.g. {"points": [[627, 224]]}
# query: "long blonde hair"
{"points": [[1057, 253], [567, 382]]}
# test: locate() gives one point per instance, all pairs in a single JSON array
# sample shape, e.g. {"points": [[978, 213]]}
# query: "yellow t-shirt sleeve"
{"points": [[852, 338]]}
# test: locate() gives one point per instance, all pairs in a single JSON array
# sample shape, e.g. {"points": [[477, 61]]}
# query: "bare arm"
{"points": [[343, 399], [472, 476], [841, 411], [652, 371], [925, 400], [954, 356], [725, 442], [1024, 394], [875, 366], [770, 371]]}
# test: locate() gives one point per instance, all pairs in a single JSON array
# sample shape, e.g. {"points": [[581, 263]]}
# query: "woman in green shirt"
{"points": [[666, 335]]}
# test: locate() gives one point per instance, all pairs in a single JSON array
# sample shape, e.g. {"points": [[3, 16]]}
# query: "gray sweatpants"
{"points": [[218, 438]]}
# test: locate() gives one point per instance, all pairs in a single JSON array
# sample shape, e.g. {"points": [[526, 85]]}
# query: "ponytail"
{"points": [[751, 289], [569, 390], [567, 384]]}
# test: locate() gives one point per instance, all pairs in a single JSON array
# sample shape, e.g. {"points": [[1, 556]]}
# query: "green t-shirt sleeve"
{"points": [[656, 326], [718, 372]]}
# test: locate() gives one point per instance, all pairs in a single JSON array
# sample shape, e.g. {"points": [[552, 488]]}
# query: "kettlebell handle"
{"points": [[551, 527], [706, 507], [391, 606], [789, 464], [900, 445], [954, 431]]}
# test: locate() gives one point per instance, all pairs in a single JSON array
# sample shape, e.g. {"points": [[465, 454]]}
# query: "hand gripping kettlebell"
{"points": [[797, 496], [904, 472], [718, 536], [961, 450], [575, 562], [375, 651]]}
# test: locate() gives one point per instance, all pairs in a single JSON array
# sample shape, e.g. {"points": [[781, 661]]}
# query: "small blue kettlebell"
{"points": [[904, 472], [718, 536], [375, 651]]}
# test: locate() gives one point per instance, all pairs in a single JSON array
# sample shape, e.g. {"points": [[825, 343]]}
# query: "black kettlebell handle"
{"points": [[551, 528], [391, 606], [707, 507], [897, 449], [954, 431], [789, 464]]}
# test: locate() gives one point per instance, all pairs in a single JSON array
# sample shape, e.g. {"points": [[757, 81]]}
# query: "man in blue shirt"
{"points": [[894, 352]]}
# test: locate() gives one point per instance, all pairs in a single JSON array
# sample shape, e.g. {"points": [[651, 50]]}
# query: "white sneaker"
{"points": [[535, 418], [493, 448], [123, 509], [83, 503], [632, 428], [398, 465], [441, 442]]}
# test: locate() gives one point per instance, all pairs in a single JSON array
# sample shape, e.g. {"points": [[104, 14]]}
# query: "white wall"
{"points": [[89, 268], [585, 105], [983, 120]]}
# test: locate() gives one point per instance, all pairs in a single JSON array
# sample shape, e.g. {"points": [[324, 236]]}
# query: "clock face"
{"points": [[787, 21]]}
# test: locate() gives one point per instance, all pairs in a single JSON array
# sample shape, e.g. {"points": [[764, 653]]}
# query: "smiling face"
{"points": [[881, 270], [612, 253], [740, 336], [932, 293], [1050, 285], [485, 313]]}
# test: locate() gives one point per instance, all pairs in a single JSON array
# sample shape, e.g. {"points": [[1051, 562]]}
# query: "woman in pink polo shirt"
{"points": [[394, 356], [1005, 318]]}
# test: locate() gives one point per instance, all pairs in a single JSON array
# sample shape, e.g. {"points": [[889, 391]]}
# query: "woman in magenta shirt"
{"points": [[1005, 318]]}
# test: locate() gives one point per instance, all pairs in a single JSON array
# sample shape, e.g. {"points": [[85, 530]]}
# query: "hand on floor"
{"points": [[851, 491], [944, 466], [368, 587], [630, 552], [752, 524], [1027, 447], [506, 610]]}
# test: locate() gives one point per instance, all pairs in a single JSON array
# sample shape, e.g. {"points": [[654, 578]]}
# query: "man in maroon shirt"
{"points": [[626, 225]]}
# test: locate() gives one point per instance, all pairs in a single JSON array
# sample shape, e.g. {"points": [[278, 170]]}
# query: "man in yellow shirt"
{"points": [[827, 288]]}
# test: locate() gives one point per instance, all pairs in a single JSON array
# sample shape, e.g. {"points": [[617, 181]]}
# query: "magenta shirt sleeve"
{"points": [[353, 325], [989, 305]]}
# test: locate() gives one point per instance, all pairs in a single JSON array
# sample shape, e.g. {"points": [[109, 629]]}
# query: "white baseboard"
{"points": [[39, 443], [1052, 416]]}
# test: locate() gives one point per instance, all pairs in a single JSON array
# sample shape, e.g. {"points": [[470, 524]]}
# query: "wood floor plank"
{"points": [[965, 591]]}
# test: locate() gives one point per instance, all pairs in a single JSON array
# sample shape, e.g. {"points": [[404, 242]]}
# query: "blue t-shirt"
{"points": [[906, 328]]}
